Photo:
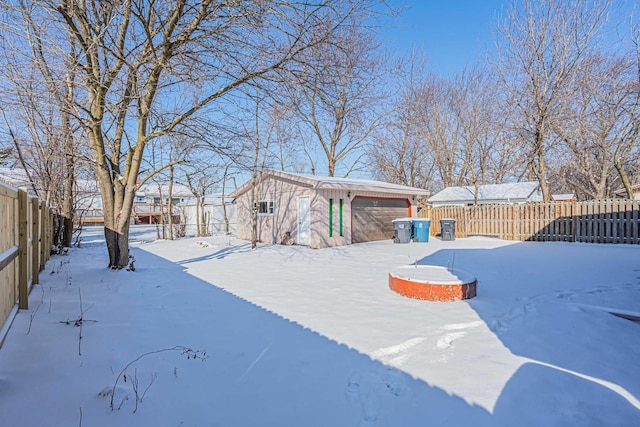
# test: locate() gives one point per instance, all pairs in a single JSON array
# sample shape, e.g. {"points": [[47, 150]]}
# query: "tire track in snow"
{"points": [[397, 355], [363, 387], [459, 331]]}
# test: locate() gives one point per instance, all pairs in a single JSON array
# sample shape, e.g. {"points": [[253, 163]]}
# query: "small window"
{"points": [[265, 207]]}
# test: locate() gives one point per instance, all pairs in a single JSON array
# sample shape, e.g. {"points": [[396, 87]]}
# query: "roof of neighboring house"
{"points": [[509, 192], [327, 182], [209, 199], [564, 196], [87, 186], [152, 189], [15, 177], [623, 191]]}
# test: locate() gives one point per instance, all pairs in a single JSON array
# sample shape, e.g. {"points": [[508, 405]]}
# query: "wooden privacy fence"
{"points": [[594, 221], [26, 235]]}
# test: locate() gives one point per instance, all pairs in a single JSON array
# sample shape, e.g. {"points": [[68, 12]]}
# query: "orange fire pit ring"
{"points": [[432, 283]]}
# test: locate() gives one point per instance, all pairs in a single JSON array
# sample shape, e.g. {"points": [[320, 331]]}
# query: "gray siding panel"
{"points": [[372, 218]]}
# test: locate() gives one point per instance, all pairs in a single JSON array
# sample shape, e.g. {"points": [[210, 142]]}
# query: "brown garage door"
{"points": [[371, 218]]}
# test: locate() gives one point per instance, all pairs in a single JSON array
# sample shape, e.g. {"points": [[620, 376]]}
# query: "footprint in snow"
{"points": [[352, 392], [355, 395], [513, 317], [365, 388]]}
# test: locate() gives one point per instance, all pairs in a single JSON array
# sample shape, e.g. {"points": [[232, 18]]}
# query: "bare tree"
{"points": [[541, 47], [338, 96], [201, 177], [444, 132], [40, 102], [135, 55], [627, 144], [260, 134], [486, 152], [399, 152], [597, 127], [471, 102], [441, 130]]}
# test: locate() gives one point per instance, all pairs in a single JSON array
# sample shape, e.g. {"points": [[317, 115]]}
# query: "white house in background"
{"points": [[515, 192], [319, 211], [149, 205], [212, 215], [157, 194]]}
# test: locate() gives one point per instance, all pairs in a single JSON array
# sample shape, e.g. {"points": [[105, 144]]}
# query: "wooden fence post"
{"points": [[35, 250], [23, 273]]}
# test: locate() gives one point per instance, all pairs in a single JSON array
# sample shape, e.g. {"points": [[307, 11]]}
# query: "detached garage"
{"points": [[321, 211]]}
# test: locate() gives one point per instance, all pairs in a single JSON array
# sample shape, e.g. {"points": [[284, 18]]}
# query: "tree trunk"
{"points": [[224, 206], [162, 221], [539, 168], [117, 205], [476, 188], [118, 246], [170, 202], [625, 179], [332, 166], [544, 185], [203, 217], [198, 213], [254, 217], [67, 202]]}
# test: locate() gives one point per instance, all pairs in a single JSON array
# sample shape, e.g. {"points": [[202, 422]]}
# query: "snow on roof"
{"points": [[508, 191], [623, 191], [87, 186], [327, 182], [564, 196], [209, 199], [152, 189]]}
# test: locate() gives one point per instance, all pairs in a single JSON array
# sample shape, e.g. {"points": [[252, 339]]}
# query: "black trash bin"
{"points": [[403, 230], [448, 228]]}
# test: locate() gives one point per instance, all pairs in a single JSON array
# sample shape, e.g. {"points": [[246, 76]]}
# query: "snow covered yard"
{"points": [[301, 337]]}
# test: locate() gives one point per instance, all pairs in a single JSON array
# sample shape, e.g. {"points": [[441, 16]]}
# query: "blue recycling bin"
{"points": [[421, 229]]}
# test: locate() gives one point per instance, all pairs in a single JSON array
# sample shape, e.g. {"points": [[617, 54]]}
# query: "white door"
{"points": [[304, 221]]}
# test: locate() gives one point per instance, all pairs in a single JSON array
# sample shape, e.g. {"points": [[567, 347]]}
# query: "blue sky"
{"points": [[458, 33], [452, 33]]}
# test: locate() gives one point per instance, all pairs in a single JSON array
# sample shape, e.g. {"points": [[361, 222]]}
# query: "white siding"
{"points": [[215, 218]]}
